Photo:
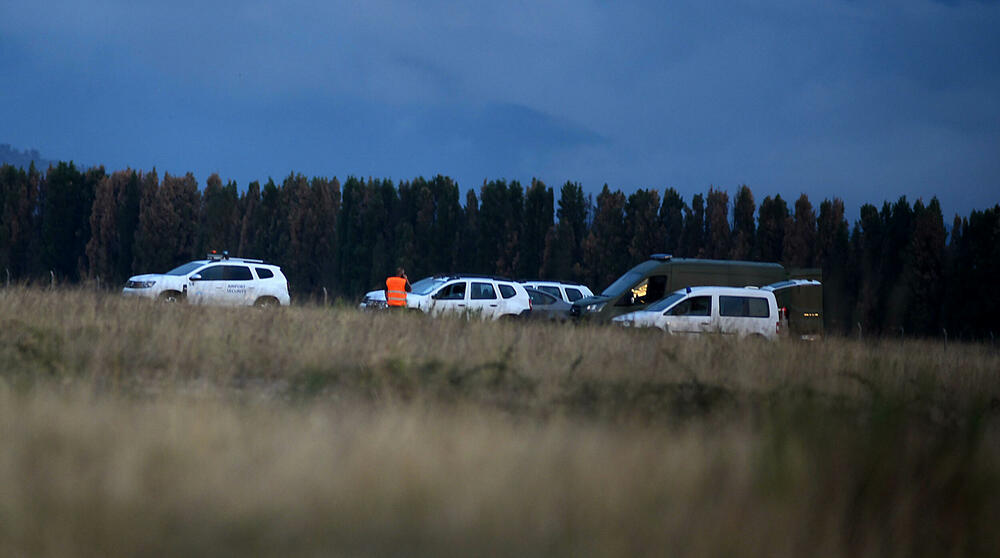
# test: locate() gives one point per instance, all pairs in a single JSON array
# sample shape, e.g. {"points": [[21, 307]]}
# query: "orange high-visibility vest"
{"points": [[395, 291]]}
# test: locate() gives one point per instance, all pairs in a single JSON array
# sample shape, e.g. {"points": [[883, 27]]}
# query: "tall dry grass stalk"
{"points": [[130, 428]]}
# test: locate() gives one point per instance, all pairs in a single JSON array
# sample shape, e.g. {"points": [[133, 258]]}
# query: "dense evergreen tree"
{"points": [[672, 221], [694, 229], [250, 221], [563, 257], [312, 233], [168, 220], [604, 258], [447, 226], [66, 199], [573, 207], [302, 273], [409, 245], [773, 215], [354, 249], [897, 221], [643, 229], [717, 230], [925, 269], [800, 235], [469, 257], [18, 199], [538, 221], [833, 248], [220, 221], [380, 198], [113, 220], [973, 302], [500, 213], [744, 230], [867, 242]]}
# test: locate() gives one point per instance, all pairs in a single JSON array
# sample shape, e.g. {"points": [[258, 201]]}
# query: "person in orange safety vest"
{"points": [[396, 288]]}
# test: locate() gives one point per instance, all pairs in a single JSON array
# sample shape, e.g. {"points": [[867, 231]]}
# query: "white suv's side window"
{"points": [[212, 273], [554, 291], [236, 273], [573, 294], [483, 291], [454, 291]]}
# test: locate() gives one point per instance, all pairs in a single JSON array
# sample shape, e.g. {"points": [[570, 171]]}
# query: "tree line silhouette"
{"points": [[897, 270]]}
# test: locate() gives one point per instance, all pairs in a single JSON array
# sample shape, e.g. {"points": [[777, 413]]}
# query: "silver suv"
{"points": [[218, 280]]}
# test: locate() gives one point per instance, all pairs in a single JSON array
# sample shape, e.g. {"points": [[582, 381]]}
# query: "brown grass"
{"points": [[130, 428]]}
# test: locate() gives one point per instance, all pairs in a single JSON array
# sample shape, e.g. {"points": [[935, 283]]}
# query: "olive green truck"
{"points": [[799, 295]]}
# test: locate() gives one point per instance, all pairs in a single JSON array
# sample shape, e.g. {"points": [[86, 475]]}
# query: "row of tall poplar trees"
{"points": [[896, 271]]}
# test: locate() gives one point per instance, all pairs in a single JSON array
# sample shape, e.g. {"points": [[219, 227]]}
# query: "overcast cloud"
{"points": [[862, 100]]}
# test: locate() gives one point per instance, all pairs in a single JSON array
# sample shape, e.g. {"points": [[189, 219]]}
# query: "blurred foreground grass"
{"points": [[130, 428]]}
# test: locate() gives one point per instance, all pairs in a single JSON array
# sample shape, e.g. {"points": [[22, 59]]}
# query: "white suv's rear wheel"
{"points": [[266, 302]]}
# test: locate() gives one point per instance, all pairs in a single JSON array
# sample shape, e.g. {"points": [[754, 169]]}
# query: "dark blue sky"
{"points": [[862, 100]]}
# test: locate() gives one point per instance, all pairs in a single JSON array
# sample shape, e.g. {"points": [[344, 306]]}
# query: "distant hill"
{"points": [[23, 159]]}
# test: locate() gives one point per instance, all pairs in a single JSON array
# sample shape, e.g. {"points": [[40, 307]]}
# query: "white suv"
{"points": [[568, 292], [217, 280], [490, 297]]}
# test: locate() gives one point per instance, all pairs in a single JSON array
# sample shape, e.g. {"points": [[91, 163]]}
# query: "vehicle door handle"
{"points": [[461, 305], [493, 305]]}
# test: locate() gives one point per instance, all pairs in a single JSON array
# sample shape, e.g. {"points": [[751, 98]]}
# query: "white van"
{"points": [[741, 311]]}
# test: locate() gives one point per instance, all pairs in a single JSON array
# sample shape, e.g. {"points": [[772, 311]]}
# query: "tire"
{"points": [[266, 302], [171, 297]]}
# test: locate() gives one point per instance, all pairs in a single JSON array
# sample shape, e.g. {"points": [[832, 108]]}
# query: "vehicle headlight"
{"points": [[596, 307], [140, 284]]}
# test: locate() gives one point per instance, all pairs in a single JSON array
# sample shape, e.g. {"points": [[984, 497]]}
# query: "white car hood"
{"points": [[640, 318], [149, 277]]}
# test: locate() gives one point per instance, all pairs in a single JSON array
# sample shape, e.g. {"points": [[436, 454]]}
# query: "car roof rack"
{"points": [[215, 256], [472, 276]]}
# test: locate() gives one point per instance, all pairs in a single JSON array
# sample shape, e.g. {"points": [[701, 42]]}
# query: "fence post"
{"points": [[52, 284], [8, 276], [324, 296], [859, 331], [945, 332]]}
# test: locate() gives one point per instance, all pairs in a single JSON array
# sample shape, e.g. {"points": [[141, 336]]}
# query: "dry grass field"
{"points": [[130, 428]]}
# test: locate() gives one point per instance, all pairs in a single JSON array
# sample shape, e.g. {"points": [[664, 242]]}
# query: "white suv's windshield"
{"points": [[426, 285], [185, 269], [665, 303]]}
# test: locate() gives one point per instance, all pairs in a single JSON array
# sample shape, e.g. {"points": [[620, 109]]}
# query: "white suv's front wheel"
{"points": [[172, 297]]}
